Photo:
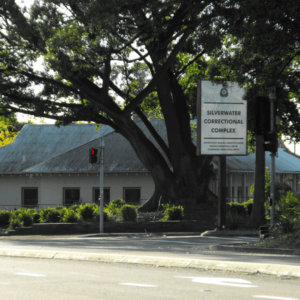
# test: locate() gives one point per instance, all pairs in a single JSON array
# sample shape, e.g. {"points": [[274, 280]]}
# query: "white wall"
{"points": [[50, 188]]}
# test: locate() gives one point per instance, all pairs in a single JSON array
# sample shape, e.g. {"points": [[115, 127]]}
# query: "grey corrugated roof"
{"points": [[37, 143], [119, 155], [284, 163]]}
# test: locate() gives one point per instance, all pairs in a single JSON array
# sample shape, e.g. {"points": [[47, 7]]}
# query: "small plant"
{"points": [[172, 212], [26, 218], [128, 213], [86, 211], [36, 217], [97, 215], [54, 216], [113, 208], [4, 217], [233, 220], [15, 222], [70, 216]]}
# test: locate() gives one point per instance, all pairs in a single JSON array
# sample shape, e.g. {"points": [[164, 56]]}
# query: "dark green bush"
{"points": [[26, 218], [4, 217], [70, 216], [128, 213], [86, 212], [248, 206], [45, 213], [172, 212], [14, 222], [237, 208], [54, 216], [36, 217], [113, 208], [74, 207], [97, 215]]}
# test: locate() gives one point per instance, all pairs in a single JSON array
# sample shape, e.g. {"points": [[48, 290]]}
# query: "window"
{"points": [[71, 196], [132, 195], [106, 193], [30, 197]]}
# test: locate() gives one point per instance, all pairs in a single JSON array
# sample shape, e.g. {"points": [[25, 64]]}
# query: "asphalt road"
{"points": [[195, 247], [24, 278]]}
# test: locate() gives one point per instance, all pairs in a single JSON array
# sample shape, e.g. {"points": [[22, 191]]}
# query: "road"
{"points": [[26, 278], [192, 247]]}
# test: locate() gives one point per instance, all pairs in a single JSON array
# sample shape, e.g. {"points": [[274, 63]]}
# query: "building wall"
{"points": [[50, 188]]}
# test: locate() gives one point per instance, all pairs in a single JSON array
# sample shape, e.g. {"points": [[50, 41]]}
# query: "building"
{"points": [[48, 165]]}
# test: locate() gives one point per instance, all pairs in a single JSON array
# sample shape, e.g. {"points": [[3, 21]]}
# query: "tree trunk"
{"points": [[258, 210], [152, 203]]}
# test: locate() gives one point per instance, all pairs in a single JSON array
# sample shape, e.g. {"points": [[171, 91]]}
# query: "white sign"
{"points": [[222, 119]]}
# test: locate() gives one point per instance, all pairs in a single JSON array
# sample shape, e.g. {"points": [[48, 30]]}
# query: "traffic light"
{"points": [[93, 156], [272, 142]]}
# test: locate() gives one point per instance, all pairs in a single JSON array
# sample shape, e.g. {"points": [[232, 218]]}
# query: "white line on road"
{"points": [[138, 284], [30, 274], [273, 297]]}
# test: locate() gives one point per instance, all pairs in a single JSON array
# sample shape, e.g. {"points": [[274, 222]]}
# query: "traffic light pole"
{"points": [[101, 185], [272, 97]]}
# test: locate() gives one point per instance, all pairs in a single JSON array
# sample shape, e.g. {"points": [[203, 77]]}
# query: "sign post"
{"points": [[221, 129], [101, 196]]}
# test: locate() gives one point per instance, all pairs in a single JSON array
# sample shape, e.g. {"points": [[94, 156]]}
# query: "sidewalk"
{"points": [[246, 261]]}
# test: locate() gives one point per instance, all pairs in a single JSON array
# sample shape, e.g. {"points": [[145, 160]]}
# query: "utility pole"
{"points": [[101, 196], [272, 97]]}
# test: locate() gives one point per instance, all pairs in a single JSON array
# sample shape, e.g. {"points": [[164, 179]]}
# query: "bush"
{"points": [[70, 216], [237, 208], [15, 222], [128, 213], [248, 206], [50, 215], [114, 207], [97, 215], [36, 217], [86, 211], [172, 212], [233, 220], [26, 218], [4, 217], [74, 207]]}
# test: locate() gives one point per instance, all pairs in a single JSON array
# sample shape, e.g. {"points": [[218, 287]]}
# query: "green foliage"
{"points": [[233, 220], [128, 213], [113, 208], [26, 218], [74, 207], [86, 212], [50, 215], [248, 206], [70, 216], [236, 208], [97, 214], [15, 222], [172, 212], [4, 217]]}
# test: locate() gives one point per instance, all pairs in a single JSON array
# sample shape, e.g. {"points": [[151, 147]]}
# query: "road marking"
{"points": [[138, 284], [30, 274], [222, 281], [273, 297]]}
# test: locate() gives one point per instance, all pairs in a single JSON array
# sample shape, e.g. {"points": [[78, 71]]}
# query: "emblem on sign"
{"points": [[224, 92]]}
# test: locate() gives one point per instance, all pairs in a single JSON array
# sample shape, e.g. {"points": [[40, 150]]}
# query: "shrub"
{"points": [[233, 220], [97, 214], [49, 215], [172, 212], [70, 216], [128, 213], [4, 217], [15, 222], [86, 211], [248, 206], [26, 218], [74, 207], [113, 208], [237, 208], [36, 217]]}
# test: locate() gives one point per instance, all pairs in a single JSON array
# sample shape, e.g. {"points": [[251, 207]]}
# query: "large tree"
{"points": [[95, 53], [262, 49]]}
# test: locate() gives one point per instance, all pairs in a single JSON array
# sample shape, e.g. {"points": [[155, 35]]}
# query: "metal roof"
{"points": [[119, 155], [37, 143], [284, 163], [47, 148]]}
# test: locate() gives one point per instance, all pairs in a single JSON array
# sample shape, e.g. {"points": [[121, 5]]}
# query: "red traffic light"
{"points": [[93, 156]]}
